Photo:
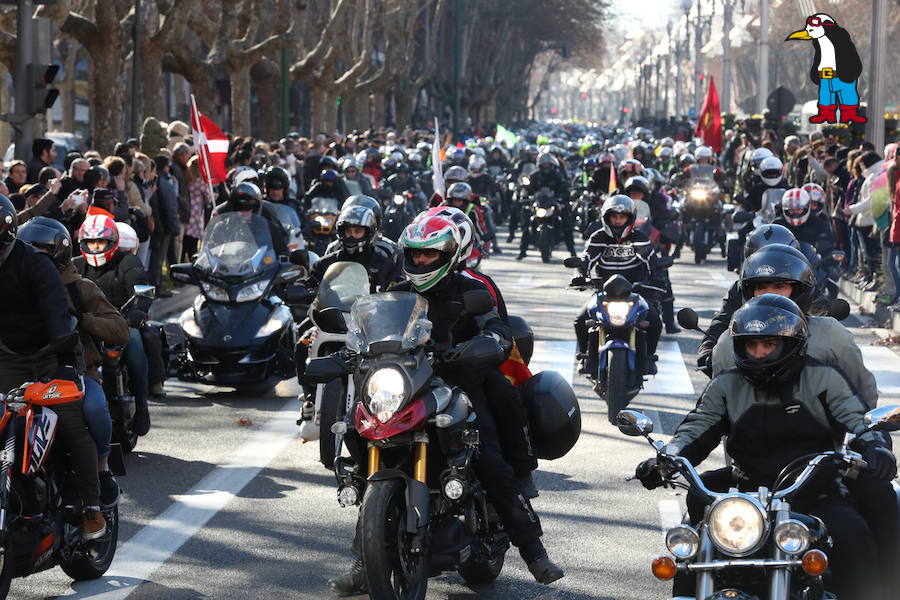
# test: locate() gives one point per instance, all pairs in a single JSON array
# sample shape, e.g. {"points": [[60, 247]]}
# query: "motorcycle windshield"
{"points": [[529, 168], [236, 244], [771, 200], [287, 216], [324, 206], [703, 173], [389, 322], [341, 285]]}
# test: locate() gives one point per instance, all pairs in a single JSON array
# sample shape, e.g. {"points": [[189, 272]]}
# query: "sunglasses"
{"points": [[817, 22]]}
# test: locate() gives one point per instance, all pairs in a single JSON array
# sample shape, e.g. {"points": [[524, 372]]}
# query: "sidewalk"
{"points": [[866, 301], [181, 300]]}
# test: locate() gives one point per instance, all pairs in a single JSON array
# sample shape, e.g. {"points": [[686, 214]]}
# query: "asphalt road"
{"points": [[223, 501]]}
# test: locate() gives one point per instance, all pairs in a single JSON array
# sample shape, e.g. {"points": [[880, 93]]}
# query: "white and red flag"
{"points": [[211, 145]]}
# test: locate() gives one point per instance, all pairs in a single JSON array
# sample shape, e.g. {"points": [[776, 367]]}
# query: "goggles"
{"points": [[818, 22]]}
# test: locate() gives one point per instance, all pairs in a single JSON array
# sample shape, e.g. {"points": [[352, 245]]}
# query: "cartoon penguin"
{"points": [[835, 69]]}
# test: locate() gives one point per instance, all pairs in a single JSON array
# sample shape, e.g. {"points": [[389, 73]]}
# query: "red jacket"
{"points": [[895, 210]]}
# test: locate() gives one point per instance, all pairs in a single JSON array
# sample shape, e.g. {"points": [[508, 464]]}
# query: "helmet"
{"points": [[476, 165], [349, 163], [607, 157], [704, 152], [277, 179], [50, 235], [368, 202], [768, 234], [758, 155], [9, 221], [128, 238], [242, 174], [402, 167], [458, 154], [665, 152], [245, 196], [639, 183], [591, 164], [777, 262], [686, 159], [631, 167], [388, 164], [815, 191], [545, 158], [769, 316], [667, 142], [454, 174], [770, 170], [360, 216], [795, 206], [619, 204], [414, 158], [463, 223], [460, 191], [328, 162], [431, 233], [98, 227], [328, 176]]}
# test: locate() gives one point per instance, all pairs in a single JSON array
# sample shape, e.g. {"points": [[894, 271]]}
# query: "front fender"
{"points": [[604, 353], [417, 513]]}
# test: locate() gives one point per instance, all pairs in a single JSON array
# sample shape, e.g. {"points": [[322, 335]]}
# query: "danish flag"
{"points": [[211, 144]]}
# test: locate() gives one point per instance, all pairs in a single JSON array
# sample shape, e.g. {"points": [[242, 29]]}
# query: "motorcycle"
{"points": [[290, 222], [424, 510], [238, 332], [545, 218], [322, 215], [617, 344], [751, 545], [701, 209], [40, 513], [398, 214]]}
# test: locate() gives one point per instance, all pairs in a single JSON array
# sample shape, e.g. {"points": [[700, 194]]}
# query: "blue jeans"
{"points": [[893, 263], [138, 369], [834, 91], [96, 414]]}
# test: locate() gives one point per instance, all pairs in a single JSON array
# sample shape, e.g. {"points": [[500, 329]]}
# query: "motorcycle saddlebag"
{"points": [[523, 336], [553, 414]]}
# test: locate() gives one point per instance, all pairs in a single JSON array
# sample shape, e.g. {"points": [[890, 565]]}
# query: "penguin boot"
{"points": [[849, 115], [827, 114]]}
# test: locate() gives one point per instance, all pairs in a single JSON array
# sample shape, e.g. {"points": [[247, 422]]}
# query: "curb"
{"points": [[866, 300], [182, 298]]}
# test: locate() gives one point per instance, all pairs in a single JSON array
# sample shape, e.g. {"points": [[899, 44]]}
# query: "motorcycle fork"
{"points": [[780, 579], [6, 467], [374, 459], [420, 461]]}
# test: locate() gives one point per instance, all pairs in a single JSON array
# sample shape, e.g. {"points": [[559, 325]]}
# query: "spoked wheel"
{"points": [[393, 573], [98, 554]]}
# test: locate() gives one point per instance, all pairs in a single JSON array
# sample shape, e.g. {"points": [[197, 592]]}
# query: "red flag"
{"points": [[211, 144], [709, 125], [613, 184]]}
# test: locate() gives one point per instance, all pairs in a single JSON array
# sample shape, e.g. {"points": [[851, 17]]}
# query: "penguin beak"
{"points": [[799, 35]]}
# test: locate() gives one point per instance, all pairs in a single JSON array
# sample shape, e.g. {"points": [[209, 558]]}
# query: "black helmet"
{"points": [[402, 167], [328, 162], [50, 235], [545, 158], [360, 216], [277, 178], [770, 316], [368, 202], [554, 414], [9, 222], [456, 173], [459, 191], [778, 262], [766, 235], [619, 204], [245, 196], [639, 183]]}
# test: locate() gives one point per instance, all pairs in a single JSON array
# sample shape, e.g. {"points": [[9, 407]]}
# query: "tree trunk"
{"points": [[318, 110], [5, 102], [267, 83], [152, 100], [362, 112], [378, 108], [67, 90], [107, 116], [240, 100], [330, 111], [403, 108]]}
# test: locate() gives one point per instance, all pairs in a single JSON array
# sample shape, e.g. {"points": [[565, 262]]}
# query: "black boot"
{"points": [[351, 583], [539, 564]]}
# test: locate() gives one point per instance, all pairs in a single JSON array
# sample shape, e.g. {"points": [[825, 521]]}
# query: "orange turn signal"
{"points": [[815, 562], [111, 353], [663, 567]]}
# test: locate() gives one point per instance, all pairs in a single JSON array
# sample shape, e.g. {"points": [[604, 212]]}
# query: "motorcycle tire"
{"points": [[700, 248], [383, 518], [6, 577], [99, 553], [546, 243], [126, 436], [331, 403], [616, 382]]}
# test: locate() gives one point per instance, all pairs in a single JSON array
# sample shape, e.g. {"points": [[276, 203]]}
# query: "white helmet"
{"points": [[703, 152], [128, 239], [476, 164], [795, 206], [467, 233], [245, 174], [770, 170], [757, 156]]}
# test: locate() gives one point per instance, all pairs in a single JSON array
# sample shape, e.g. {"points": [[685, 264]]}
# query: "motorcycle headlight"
{"points": [[618, 312], [791, 536], [271, 326], [252, 291], [697, 194], [214, 292], [190, 327], [385, 390], [682, 541], [737, 525], [541, 213]]}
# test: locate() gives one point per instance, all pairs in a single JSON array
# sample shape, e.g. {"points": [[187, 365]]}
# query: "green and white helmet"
{"points": [[430, 233]]}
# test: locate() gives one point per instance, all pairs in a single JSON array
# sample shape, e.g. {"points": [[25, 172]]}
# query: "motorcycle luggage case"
{"points": [[553, 414], [523, 336]]}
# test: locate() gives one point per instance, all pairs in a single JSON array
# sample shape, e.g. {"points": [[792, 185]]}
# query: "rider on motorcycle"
{"points": [[797, 215], [353, 177], [97, 320], [771, 176], [774, 407], [327, 185], [245, 198], [617, 249], [38, 340], [548, 176], [460, 196]]}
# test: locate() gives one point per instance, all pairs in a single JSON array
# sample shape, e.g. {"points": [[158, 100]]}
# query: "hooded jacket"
{"points": [[862, 210]]}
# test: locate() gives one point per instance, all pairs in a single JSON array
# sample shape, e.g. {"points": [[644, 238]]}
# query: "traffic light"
{"points": [[38, 78]]}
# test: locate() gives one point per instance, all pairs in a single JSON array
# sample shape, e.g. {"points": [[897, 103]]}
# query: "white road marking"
{"points": [[885, 365], [718, 275], [673, 378], [524, 281], [670, 514], [554, 355], [148, 549]]}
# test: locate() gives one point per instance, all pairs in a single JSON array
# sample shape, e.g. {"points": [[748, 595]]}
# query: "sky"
{"points": [[643, 14]]}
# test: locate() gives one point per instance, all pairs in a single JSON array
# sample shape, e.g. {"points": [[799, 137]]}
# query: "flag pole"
{"points": [[204, 156]]}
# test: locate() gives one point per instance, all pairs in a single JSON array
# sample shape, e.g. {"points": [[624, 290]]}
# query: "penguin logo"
{"points": [[835, 69]]}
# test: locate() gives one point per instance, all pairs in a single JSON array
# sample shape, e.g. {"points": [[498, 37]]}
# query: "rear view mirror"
{"points": [[742, 216], [298, 296], [687, 318], [323, 370], [883, 418], [839, 309], [572, 262], [633, 423], [331, 320], [300, 257], [183, 272], [145, 291], [477, 302]]}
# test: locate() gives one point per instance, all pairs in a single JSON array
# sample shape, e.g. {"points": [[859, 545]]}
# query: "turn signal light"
{"points": [[664, 568], [815, 562]]}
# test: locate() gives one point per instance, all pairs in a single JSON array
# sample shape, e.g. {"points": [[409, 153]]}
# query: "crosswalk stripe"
{"points": [[554, 355], [672, 377], [883, 363]]}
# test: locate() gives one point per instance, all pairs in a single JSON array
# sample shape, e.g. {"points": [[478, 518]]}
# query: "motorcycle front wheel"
{"points": [[616, 382], [546, 242], [332, 396], [392, 572]]}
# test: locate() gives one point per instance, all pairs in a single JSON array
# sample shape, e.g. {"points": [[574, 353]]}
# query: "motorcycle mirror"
{"points": [[331, 320], [728, 207], [839, 309], [323, 370], [742, 216], [883, 418], [687, 318], [298, 296], [183, 272], [633, 423], [572, 262], [300, 257], [477, 302], [145, 291]]}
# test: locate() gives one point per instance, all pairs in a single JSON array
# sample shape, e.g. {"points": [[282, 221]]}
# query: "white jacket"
{"points": [[862, 210]]}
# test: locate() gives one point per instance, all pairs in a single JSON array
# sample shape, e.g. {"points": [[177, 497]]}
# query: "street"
{"points": [[222, 500]]}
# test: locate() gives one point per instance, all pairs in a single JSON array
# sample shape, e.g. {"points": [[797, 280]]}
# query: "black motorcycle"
{"points": [[701, 211], [545, 220], [398, 213], [239, 332]]}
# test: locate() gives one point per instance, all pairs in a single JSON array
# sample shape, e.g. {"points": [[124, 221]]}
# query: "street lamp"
{"points": [[668, 68], [686, 7]]}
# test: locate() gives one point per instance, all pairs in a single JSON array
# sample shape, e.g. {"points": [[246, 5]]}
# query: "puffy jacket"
{"points": [[117, 278]]}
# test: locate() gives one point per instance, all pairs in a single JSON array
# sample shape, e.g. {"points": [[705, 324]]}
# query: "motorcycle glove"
{"points": [[704, 361], [882, 462], [648, 474]]}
